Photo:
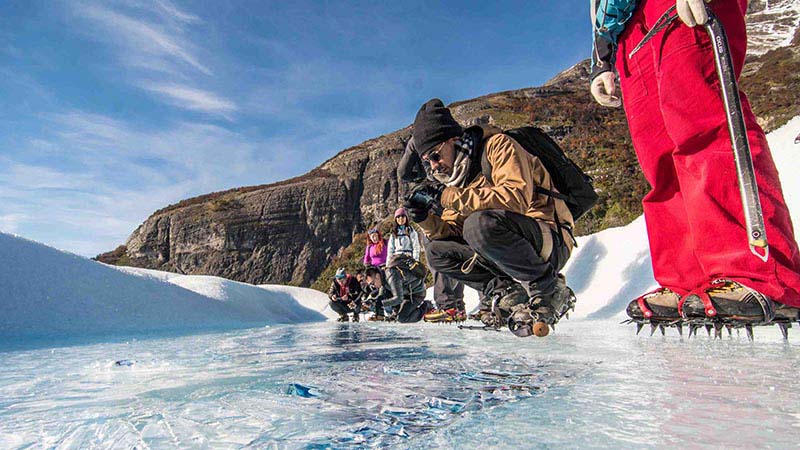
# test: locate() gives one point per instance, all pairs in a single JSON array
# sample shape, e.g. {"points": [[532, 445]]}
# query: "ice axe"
{"points": [[748, 189]]}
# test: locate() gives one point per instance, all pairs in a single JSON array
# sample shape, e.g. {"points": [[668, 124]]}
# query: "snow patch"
{"points": [[52, 295], [771, 25], [787, 159]]}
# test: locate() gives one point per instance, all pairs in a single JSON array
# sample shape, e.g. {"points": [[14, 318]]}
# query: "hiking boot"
{"points": [[377, 318], [550, 308], [445, 315], [343, 318], [434, 316], [502, 295], [356, 317], [543, 312], [730, 301], [786, 313], [486, 317], [660, 304]]}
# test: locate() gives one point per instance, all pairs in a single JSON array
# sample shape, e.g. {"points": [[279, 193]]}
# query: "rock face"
{"points": [[288, 232], [771, 24], [280, 233]]}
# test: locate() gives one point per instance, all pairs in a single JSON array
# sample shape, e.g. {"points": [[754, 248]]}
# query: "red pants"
{"points": [[694, 215]]}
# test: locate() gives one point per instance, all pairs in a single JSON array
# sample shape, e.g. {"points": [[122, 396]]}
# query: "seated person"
{"points": [[405, 296], [345, 294], [366, 303]]}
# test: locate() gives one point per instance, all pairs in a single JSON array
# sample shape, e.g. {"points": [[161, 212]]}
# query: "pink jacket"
{"points": [[372, 258]]}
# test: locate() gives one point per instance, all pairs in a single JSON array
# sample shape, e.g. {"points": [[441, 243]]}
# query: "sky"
{"points": [[113, 109]]}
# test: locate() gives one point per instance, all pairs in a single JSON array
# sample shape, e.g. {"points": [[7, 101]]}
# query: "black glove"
{"points": [[411, 169], [422, 198], [416, 214], [424, 195]]}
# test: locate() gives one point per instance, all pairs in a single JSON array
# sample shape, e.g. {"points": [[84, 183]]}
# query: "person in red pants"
{"points": [[694, 215]]}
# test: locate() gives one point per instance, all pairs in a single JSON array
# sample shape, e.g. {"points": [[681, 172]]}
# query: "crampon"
{"points": [[539, 317], [724, 306]]}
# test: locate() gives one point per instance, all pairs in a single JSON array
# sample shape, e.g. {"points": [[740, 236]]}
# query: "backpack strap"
{"points": [[547, 240], [554, 194], [486, 170]]}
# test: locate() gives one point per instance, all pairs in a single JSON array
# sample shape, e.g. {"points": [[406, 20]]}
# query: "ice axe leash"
{"points": [[748, 189]]}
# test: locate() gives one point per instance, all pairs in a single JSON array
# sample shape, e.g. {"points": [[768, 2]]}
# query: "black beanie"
{"points": [[433, 125]]}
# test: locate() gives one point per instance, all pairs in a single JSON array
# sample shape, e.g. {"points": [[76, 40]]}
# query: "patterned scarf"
{"points": [[465, 146]]}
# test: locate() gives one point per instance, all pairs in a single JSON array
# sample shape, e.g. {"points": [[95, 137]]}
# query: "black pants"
{"points": [[447, 292], [343, 308], [508, 245]]}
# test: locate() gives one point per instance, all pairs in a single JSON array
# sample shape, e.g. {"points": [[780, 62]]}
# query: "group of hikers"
{"points": [[392, 283], [492, 217]]}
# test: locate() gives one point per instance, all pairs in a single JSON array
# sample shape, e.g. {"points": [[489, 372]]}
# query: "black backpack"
{"points": [[574, 186]]}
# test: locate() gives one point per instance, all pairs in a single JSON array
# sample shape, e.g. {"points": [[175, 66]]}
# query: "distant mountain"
{"points": [[288, 232]]}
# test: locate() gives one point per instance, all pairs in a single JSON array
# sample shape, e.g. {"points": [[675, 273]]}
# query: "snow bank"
{"points": [[52, 295], [787, 158], [308, 298], [266, 299], [222, 289], [608, 269]]}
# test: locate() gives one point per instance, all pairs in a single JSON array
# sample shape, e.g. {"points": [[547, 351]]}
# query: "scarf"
{"points": [[466, 147]]}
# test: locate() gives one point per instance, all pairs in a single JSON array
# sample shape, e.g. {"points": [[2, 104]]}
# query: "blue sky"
{"points": [[114, 109]]}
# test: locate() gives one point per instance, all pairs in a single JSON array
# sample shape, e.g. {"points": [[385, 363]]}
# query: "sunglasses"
{"points": [[434, 155]]}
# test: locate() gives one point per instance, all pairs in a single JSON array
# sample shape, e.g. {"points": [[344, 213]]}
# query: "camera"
{"points": [[421, 199]]}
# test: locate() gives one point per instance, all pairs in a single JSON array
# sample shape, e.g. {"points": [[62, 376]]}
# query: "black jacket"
{"points": [[350, 293]]}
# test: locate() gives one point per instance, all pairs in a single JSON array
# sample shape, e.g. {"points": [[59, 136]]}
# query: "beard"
{"points": [[457, 175]]}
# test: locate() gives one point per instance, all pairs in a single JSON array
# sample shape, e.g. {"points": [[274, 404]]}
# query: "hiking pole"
{"points": [[751, 204]]}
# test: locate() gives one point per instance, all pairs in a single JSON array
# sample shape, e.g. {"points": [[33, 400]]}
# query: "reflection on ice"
{"points": [[354, 385]]}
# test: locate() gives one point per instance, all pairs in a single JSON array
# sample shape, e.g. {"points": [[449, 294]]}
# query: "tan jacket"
{"points": [[515, 173]]}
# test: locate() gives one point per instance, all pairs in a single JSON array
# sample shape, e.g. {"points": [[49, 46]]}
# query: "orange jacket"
{"points": [[515, 173]]}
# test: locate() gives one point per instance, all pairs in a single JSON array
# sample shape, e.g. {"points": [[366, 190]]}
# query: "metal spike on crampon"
{"points": [[662, 328], [679, 326], [708, 329], [653, 327], [718, 330], [693, 329], [639, 327], [730, 332], [784, 330], [749, 329]]}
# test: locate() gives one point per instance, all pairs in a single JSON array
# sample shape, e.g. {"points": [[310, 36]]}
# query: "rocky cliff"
{"points": [[288, 232]]}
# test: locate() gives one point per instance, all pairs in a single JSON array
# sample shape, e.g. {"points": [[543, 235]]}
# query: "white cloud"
{"points": [[168, 8], [9, 223], [143, 41], [153, 43], [190, 98]]}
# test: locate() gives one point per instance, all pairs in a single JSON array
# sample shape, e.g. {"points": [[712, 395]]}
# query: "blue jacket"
{"points": [[609, 18]]}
